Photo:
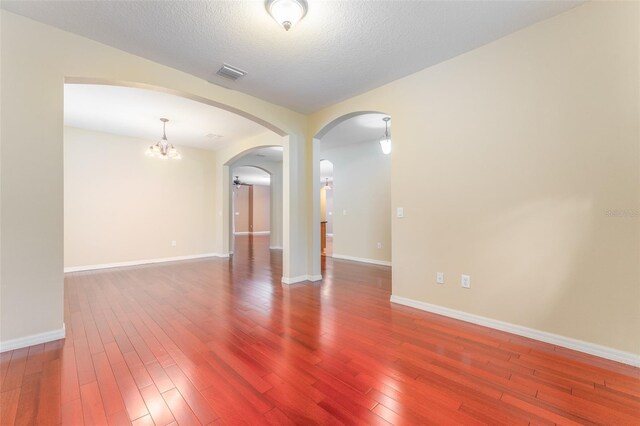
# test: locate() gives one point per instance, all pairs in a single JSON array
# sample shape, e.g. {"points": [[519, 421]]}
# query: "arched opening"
{"points": [[166, 236], [257, 188], [360, 179]]}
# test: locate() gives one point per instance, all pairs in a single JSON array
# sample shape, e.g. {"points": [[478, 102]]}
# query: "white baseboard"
{"points": [[300, 278], [140, 262], [275, 247], [34, 339], [554, 339], [253, 233], [361, 259]]}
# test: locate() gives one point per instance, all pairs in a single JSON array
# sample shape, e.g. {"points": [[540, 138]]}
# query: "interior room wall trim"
{"points": [[362, 259], [141, 262], [554, 339], [253, 233], [301, 278], [33, 339]]}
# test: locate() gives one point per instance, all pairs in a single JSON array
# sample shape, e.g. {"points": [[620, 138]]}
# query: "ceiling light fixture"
{"points": [[286, 12], [385, 142], [327, 187], [163, 149]]}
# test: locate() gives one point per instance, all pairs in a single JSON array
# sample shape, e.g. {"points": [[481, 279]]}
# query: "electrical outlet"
{"points": [[379, 245], [440, 277], [174, 243], [344, 212], [465, 281]]}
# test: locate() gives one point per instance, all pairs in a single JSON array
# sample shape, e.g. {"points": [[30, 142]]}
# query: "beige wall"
{"points": [[362, 188], [121, 205], [261, 206], [36, 59], [506, 160], [241, 219]]}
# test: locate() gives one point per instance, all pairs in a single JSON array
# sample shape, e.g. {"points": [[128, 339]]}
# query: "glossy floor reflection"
{"points": [[222, 341]]}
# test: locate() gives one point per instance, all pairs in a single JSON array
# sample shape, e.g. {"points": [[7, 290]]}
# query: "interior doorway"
{"points": [[352, 157], [326, 208], [251, 201]]}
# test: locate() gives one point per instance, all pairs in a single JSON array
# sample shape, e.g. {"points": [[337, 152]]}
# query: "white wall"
{"points": [[121, 205], [362, 187], [507, 160]]}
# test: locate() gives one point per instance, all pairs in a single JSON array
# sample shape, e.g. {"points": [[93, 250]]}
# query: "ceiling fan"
{"points": [[238, 183]]}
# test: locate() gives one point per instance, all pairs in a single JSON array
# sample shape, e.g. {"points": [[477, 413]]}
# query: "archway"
{"points": [[267, 160], [317, 155], [292, 150]]}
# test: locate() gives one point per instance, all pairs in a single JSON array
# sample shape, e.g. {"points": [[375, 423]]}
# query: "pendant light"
{"points": [[286, 12], [385, 142], [163, 149]]}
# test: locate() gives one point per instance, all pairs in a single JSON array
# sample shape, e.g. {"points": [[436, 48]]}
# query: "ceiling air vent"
{"points": [[227, 71]]}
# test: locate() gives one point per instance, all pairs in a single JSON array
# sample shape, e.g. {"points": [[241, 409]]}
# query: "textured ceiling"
{"points": [[133, 112], [340, 49]]}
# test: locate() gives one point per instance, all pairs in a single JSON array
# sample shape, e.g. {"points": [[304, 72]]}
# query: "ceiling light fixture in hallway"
{"points": [[385, 142]]}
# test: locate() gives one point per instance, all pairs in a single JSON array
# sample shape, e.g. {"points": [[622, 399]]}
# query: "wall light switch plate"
{"points": [[344, 212], [440, 277], [400, 212], [174, 243], [465, 281], [379, 245]]}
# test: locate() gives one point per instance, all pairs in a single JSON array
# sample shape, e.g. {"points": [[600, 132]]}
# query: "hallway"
{"points": [[222, 341]]}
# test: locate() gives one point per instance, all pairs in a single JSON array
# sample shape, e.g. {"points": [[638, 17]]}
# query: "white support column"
{"points": [[314, 251], [296, 214]]}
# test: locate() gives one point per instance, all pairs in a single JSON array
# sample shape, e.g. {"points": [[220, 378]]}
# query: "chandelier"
{"points": [[163, 149], [385, 142]]}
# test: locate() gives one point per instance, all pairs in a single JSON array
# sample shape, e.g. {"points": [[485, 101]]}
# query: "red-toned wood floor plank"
{"points": [[92, 407], [138, 370], [159, 377], [157, 406], [15, 372], [179, 408], [71, 412], [276, 417], [143, 421], [120, 418], [130, 394], [9, 403], [109, 390], [49, 407], [194, 399]]}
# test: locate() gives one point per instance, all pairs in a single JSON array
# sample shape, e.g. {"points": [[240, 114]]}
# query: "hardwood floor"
{"points": [[223, 342]]}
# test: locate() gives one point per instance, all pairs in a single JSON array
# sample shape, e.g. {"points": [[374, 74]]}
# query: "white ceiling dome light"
{"points": [[287, 13]]}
